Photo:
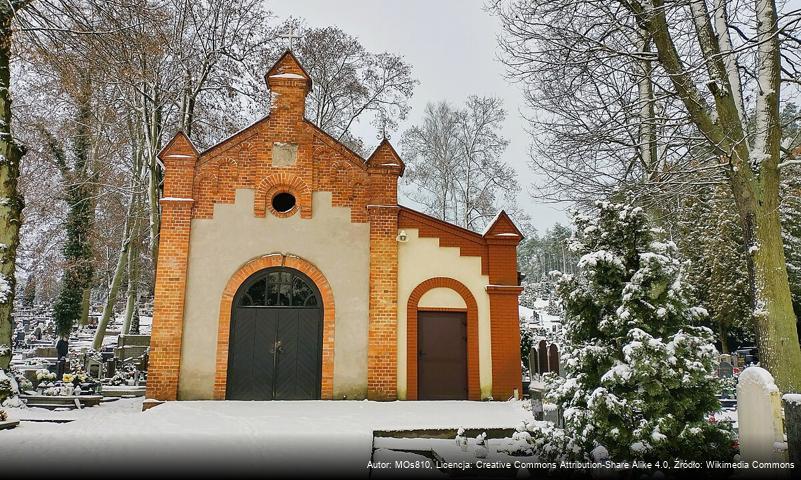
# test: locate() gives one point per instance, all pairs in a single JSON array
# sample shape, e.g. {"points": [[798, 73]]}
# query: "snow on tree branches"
{"points": [[640, 372]]}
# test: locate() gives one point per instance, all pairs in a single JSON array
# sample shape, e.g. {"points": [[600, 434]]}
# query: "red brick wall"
{"points": [[470, 243], [384, 168], [168, 311], [498, 251], [245, 160]]}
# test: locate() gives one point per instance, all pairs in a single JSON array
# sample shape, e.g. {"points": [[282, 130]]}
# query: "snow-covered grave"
{"points": [[759, 415], [301, 436]]}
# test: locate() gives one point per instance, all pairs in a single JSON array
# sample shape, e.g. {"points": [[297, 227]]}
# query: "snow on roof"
{"points": [[177, 199], [491, 223], [540, 304], [288, 75], [525, 312]]}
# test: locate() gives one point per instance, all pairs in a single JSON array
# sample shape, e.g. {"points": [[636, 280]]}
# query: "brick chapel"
{"points": [[287, 270]]}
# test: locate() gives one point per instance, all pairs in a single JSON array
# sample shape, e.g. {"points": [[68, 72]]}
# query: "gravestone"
{"points": [[759, 417], [111, 368], [725, 370], [551, 413], [536, 392], [792, 421], [533, 364], [93, 368], [47, 352], [542, 349], [553, 359]]}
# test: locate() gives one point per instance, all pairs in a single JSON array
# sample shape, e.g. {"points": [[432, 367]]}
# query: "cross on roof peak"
{"points": [[290, 35]]}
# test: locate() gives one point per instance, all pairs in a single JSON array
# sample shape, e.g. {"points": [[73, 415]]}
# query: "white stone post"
{"points": [[759, 416]]}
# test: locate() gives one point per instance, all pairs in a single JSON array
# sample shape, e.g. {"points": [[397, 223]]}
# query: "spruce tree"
{"points": [[641, 377]]}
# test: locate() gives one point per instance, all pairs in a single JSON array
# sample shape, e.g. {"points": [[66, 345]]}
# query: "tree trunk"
{"points": [[132, 293], [155, 213], [119, 270], [723, 336], [11, 202], [645, 90], [753, 172], [775, 319], [86, 302]]}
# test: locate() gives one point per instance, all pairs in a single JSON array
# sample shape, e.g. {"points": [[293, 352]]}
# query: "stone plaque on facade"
{"points": [[285, 154]]}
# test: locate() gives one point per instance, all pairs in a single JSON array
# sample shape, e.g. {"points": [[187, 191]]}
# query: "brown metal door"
{"points": [[442, 355]]}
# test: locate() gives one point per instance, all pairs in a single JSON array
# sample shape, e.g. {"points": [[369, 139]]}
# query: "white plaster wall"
{"points": [[442, 298], [221, 245], [422, 258]]}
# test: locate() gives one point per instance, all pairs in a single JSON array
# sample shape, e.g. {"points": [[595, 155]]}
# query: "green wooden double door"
{"points": [[275, 344]]}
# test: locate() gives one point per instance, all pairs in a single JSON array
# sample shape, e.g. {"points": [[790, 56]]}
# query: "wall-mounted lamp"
{"points": [[402, 236]]}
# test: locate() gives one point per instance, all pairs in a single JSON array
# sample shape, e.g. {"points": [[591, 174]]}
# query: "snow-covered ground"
{"points": [[299, 437], [539, 316]]}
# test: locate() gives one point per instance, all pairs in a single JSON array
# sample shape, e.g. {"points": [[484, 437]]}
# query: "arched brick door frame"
{"points": [[473, 387], [224, 329]]}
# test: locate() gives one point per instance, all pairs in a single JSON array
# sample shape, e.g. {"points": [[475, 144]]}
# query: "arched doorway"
{"points": [[276, 336]]}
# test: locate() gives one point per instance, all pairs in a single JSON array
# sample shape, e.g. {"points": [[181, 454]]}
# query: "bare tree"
{"points": [[454, 162], [716, 78], [10, 201], [349, 83]]}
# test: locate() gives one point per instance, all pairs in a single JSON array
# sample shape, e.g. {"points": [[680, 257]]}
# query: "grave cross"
{"points": [[290, 35]]}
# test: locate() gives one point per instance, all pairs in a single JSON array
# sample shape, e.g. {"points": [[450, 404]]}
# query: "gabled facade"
{"points": [[287, 270]]}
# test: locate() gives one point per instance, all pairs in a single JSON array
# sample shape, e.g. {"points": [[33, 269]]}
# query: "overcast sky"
{"points": [[451, 44]]}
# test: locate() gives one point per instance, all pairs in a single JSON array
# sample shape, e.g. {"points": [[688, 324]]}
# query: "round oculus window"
{"points": [[283, 202]]}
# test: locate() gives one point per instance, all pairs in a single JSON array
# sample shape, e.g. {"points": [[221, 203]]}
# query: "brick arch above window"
{"points": [[280, 183], [226, 303], [473, 385]]}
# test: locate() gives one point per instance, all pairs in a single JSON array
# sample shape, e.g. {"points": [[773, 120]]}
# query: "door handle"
{"points": [[277, 347]]}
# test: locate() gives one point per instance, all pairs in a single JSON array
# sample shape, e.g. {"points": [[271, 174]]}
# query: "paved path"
{"points": [[293, 437]]}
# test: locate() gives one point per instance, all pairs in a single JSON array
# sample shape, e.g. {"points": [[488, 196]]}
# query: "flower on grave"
{"points": [[44, 375], [24, 384], [68, 378]]}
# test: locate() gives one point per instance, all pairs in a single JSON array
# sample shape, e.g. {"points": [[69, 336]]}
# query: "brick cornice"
{"points": [[513, 241], [320, 134], [470, 244], [234, 140], [504, 289]]}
